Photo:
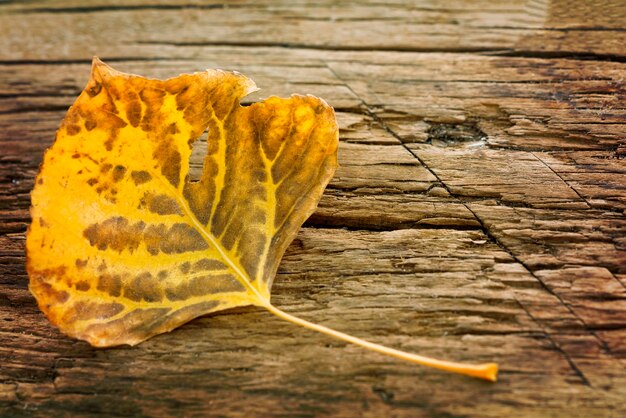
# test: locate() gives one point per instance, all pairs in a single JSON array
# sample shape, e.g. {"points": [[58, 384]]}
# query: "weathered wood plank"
{"points": [[462, 303], [524, 103], [478, 213], [502, 175], [598, 177], [530, 26], [545, 239]]}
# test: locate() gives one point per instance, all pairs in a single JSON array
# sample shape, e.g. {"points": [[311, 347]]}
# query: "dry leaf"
{"points": [[123, 246]]}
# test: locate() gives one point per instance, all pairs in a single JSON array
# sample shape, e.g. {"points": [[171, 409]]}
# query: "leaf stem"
{"points": [[487, 371]]}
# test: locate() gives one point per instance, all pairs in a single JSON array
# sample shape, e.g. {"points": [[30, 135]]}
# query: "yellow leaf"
{"points": [[123, 246]]}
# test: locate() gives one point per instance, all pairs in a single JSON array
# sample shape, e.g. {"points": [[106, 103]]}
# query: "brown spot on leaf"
{"points": [[46, 292], [80, 263], [39, 284], [111, 284], [73, 129], [153, 99], [112, 125], [90, 124], [160, 204], [82, 286], [169, 161], [138, 324], [133, 112], [185, 267], [182, 238], [179, 238], [208, 264], [173, 129], [118, 173], [115, 233], [192, 311], [84, 311], [143, 287], [255, 243], [94, 88], [204, 285], [140, 177], [153, 236]]}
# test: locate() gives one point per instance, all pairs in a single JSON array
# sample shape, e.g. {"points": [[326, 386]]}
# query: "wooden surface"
{"points": [[478, 215]]}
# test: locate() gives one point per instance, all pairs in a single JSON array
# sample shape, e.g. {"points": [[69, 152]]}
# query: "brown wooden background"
{"points": [[479, 213]]}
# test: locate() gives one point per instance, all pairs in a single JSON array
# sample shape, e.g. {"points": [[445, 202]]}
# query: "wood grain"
{"points": [[478, 213]]}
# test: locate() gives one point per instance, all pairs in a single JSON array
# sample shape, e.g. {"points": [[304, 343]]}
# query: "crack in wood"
{"points": [[563, 180], [557, 347], [493, 239]]}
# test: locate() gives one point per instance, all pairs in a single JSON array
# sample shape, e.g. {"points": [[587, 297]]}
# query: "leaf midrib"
{"points": [[210, 239]]}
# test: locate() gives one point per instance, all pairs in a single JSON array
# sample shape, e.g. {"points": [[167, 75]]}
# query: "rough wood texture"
{"points": [[479, 212]]}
